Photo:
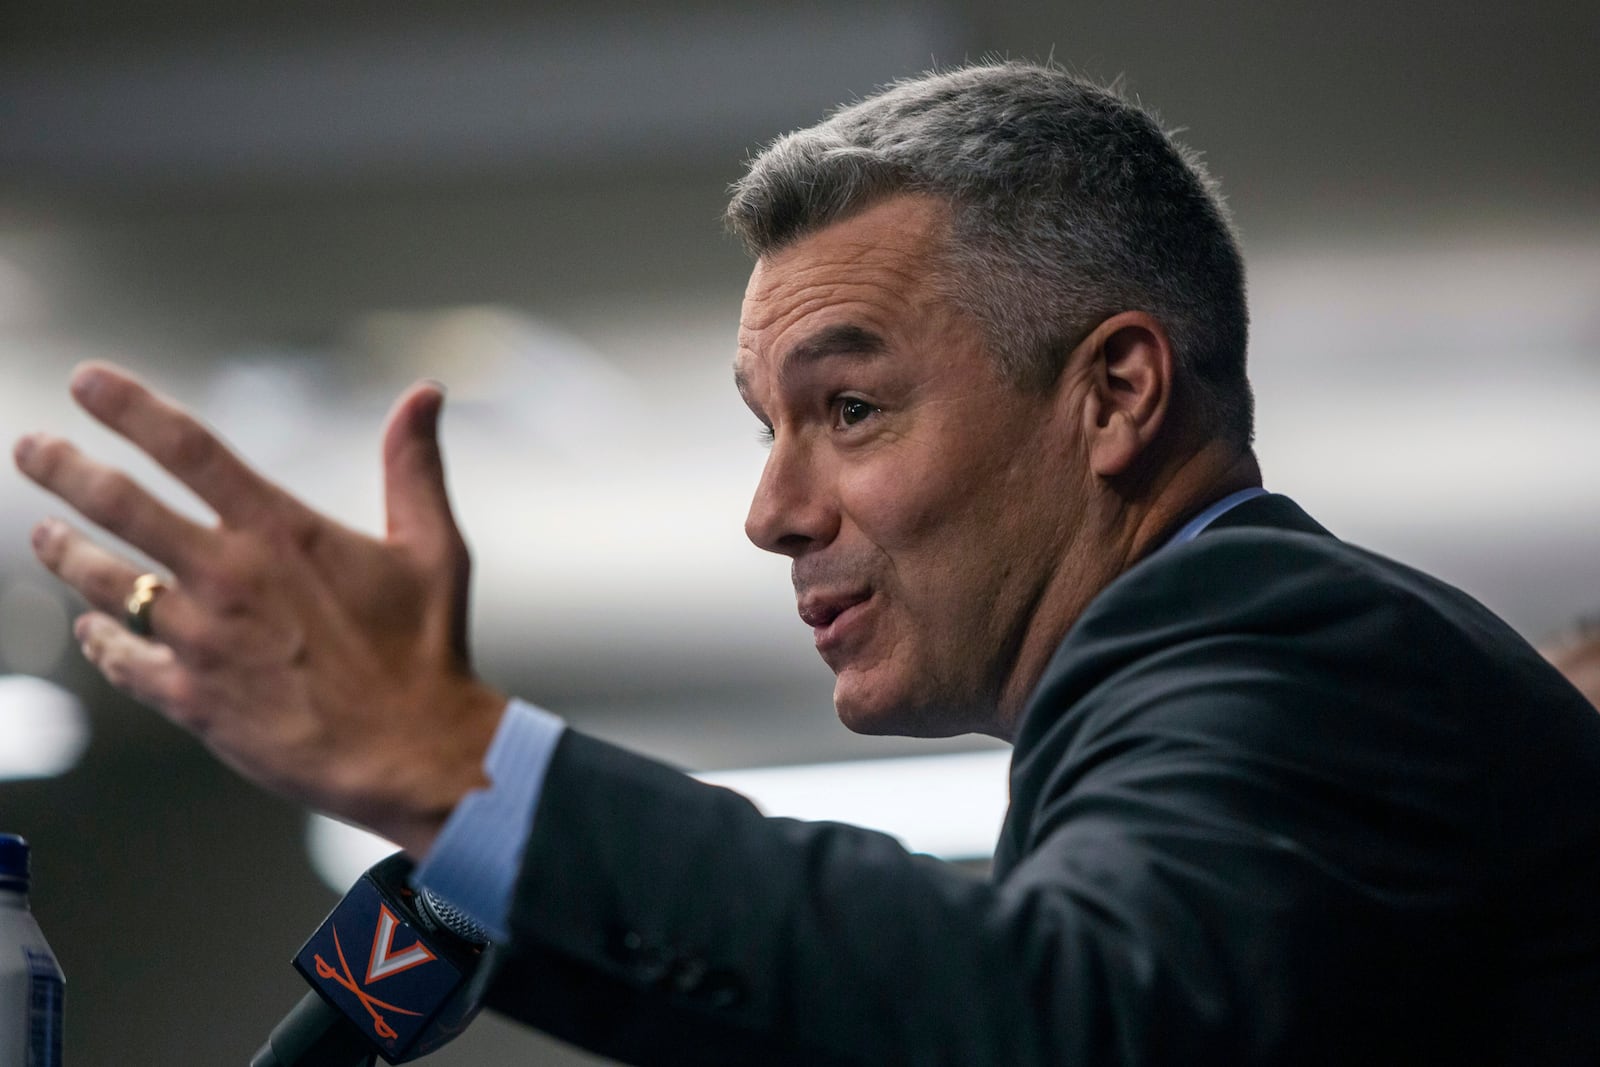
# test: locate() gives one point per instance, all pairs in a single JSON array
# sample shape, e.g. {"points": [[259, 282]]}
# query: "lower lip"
{"points": [[839, 629]]}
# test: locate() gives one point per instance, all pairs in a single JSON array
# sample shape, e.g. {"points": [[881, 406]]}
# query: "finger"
{"points": [[415, 497], [147, 671], [100, 577], [112, 500], [105, 580], [178, 441]]}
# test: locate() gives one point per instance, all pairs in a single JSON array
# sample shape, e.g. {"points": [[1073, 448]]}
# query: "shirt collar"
{"points": [[1191, 529]]}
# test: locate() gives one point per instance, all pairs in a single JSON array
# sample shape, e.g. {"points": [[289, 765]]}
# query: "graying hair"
{"points": [[1069, 204]]}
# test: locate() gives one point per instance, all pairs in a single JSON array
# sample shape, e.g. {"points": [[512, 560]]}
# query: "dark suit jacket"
{"points": [[1276, 800]]}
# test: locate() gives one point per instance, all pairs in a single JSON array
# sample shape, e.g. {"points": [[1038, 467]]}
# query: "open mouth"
{"points": [[830, 617]]}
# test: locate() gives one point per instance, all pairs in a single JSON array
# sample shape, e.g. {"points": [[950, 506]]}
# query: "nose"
{"points": [[793, 508]]}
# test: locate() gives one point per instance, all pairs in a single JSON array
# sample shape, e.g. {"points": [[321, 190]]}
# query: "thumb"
{"points": [[415, 498]]}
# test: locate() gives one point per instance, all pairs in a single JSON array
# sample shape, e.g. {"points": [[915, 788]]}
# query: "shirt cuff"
{"points": [[475, 860]]}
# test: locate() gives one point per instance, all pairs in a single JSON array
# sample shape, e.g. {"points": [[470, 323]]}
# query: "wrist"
{"points": [[426, 783]]}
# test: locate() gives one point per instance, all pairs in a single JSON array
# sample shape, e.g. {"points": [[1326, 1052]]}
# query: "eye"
{"points": [[850, 410], [764, 434]]}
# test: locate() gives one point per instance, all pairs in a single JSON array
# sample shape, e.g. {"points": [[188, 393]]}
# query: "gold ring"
{"points": [[145, 589]]}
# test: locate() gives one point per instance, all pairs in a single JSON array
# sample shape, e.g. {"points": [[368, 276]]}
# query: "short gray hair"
{"points": [[1069, 204]]}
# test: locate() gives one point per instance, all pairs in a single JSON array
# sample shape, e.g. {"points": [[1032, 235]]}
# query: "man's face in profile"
{"points": [[921, 497]]}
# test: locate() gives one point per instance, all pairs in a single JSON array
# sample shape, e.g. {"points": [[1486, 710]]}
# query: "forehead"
{"points": [[849, 287]]}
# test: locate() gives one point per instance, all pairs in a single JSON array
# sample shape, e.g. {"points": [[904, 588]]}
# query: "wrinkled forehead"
{"points": [[848, 286]]}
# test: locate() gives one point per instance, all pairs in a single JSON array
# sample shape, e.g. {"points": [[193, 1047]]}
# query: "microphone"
{"points": [[393, 972]]}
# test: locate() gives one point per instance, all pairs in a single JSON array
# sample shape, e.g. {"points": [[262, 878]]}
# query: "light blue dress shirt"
{"points": [[1191, 529], [474, 861], [476, 857]]}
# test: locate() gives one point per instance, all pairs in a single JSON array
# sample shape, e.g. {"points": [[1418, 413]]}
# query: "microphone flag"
{"points": [[402, 981]]}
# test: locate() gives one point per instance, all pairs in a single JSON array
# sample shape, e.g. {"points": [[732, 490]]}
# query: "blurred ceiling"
{"points": [[1419, 106]]}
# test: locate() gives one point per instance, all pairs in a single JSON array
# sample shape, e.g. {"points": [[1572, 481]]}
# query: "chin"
{"points": [[882, 715]]}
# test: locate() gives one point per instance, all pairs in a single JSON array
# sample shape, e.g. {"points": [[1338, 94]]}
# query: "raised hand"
{"points": [[325, 665]]}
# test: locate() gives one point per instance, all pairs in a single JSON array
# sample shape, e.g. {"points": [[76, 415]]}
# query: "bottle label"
{"points": [[45, 1003]]}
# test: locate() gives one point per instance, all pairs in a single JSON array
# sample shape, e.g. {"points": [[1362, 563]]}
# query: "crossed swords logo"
{"points": [[383, 963]]}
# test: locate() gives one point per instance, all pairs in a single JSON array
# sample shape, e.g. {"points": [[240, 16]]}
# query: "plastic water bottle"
{"points": [[31, 984]]}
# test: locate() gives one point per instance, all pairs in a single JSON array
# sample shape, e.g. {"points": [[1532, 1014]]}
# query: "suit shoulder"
{"points": [[1304, 609], [1265, 578]]}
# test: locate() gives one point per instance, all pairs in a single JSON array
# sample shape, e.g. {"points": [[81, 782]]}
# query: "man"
{"points": [[1274, 799]]}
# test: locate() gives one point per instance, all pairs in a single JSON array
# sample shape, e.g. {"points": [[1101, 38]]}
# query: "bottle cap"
{"points": [[13, 862]]}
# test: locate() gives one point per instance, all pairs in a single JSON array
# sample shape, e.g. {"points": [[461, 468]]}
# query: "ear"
{"points": [[1130, 384]]}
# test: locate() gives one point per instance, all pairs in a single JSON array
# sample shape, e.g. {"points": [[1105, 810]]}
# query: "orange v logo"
{"points": [[385, 961]]}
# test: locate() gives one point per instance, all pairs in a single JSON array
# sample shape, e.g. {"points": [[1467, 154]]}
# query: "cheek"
{"points": [[902, 505], [945, 541], [963, 542]]}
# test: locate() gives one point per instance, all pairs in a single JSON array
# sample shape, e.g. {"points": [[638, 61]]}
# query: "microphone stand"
{"points": [[313, 1036]]}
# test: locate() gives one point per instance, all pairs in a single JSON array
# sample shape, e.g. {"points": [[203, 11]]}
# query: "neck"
{"points": [[1196, 483], [1124, 524]]}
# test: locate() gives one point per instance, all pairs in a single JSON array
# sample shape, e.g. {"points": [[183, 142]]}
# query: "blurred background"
{"points": [[282, 214]]}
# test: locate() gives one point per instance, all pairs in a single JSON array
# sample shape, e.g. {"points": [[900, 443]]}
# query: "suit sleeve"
{"points": [[1199, 887]]}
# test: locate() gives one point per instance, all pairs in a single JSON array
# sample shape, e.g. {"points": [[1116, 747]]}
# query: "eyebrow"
{"points": [[843, 339]]}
